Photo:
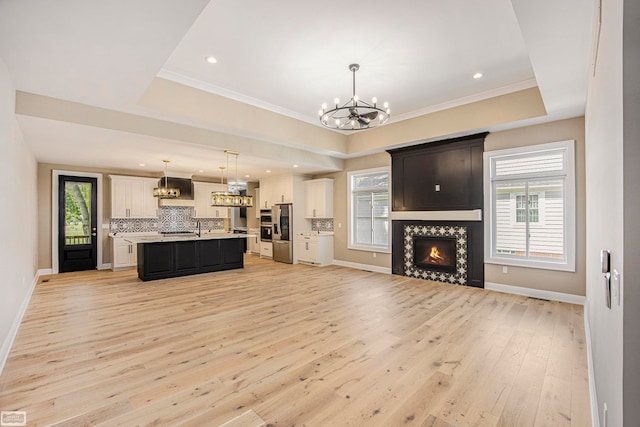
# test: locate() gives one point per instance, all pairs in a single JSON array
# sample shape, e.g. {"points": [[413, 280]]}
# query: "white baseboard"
{"points": [[536, 293], [44, 272], [11, 336], [595, 411], [366, 267], [47, 271]]}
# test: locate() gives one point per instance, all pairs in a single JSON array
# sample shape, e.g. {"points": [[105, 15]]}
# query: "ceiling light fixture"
{"points": [[166, 192], [230, 198], [355, 114], [477, 76], [210, 59]]}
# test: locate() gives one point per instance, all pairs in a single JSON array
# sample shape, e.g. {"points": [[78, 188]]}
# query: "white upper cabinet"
{"points": [[132, 197], [202, 198], [279, 189], [256, 203], [318, 198], [266, 198]]}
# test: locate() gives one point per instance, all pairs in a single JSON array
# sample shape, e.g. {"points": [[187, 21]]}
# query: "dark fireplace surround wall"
{"points": [[439, 176]]}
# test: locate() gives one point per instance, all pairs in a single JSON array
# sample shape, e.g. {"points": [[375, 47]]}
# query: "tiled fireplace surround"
{"points": [[469, 250], [458, 232]]}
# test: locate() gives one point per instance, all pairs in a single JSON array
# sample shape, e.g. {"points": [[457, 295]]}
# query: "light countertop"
{"points": [[184, 237], [317, 233]]}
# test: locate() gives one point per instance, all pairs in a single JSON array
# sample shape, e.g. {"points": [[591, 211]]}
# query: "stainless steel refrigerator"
{"points": [[282, 237]]}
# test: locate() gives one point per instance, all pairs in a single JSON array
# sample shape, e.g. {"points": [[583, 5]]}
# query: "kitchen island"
{"points": [[161, 257]]}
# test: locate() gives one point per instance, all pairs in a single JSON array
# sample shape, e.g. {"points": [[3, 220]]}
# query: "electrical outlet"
{"points": [[374, 254], [505, 269], [339, 225]]}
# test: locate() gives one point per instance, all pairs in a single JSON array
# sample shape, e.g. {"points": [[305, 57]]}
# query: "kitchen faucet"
{"points": [[198, 233]]}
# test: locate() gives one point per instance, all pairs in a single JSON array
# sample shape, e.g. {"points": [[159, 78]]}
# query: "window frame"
{"points": [[350, 208], [568, 176]]}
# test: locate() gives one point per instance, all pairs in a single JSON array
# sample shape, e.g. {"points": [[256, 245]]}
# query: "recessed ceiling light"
{"points": [[247, 176], [268, 171], [295, 166], [477, 75], [210, 59], [141, 164], [201, 170]]}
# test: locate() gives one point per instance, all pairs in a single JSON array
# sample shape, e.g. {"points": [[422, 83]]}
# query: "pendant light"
{"points": [[165, 192], [230, 198]]}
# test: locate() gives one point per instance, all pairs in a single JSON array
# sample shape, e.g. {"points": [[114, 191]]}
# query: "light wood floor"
{"points": [[296, 345]]}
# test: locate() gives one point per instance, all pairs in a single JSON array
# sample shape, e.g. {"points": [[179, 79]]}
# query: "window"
{"points": [[369, 210], [521, 208], [530, 206]]}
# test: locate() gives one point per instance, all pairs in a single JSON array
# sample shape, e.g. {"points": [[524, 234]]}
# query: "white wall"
{"points": [[631, 132], [18, 225], [604, 157]]}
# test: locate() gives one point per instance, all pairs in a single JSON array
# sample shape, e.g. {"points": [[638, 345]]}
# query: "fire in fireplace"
{"points": [[435, 253]]}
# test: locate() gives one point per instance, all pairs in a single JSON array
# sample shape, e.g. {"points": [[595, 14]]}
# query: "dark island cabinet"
{"points": [[161, 260]]}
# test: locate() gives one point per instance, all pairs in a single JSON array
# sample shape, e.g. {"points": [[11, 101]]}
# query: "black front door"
{"points": [[77, 228]]}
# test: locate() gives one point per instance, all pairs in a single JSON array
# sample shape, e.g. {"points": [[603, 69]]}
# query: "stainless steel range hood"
{"points": [[186, 192]]}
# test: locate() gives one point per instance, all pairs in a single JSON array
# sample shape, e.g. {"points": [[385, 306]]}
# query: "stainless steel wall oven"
{"points": [[266, 225]]}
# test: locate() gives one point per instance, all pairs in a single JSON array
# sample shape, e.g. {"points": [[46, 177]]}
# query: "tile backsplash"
{"points": [[322, 224], [133, 225], [170, 219], [174, 218]]}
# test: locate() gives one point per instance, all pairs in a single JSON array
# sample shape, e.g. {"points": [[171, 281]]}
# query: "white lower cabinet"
{"points": [[315, 249], [266, 249], [253, 243], [125, 254]]}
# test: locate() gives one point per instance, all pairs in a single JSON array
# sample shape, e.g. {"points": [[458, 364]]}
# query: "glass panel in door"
{"points": [[77, 221]]}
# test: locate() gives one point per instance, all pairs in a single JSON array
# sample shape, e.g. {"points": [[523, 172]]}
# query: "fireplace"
{"points": [[435, 253], [437, 198], [457, 258]]}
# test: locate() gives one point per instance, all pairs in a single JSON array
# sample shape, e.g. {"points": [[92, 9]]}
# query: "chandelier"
{"points": [[230, 198], [355, 114], [166, 192]]}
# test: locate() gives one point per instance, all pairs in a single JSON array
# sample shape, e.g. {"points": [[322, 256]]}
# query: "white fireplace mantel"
{"points": [[464, 215]]}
